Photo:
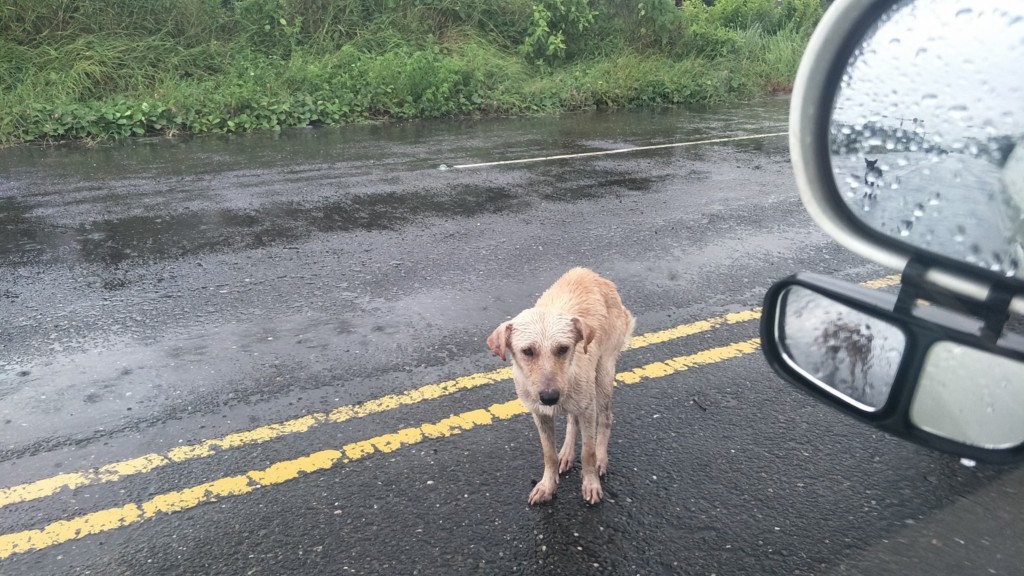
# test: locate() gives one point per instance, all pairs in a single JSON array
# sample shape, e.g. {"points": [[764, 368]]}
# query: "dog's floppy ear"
{"points": [[584, 332], [500, 339]]}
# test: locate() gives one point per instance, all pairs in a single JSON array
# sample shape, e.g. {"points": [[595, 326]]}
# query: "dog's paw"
{"points": [[566, 459], [592, 490], [542, 492]]}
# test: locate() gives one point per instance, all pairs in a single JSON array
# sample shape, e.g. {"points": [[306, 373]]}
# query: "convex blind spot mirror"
{"points": [[845, 352], [950, 401], [924, 373], [907, 140]]}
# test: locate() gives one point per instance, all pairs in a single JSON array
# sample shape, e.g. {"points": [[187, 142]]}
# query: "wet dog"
{"points": [[563, 353], [872, 177]]}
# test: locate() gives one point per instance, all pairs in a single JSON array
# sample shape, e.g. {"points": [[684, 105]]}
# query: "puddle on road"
{"points": [[26, 239]]}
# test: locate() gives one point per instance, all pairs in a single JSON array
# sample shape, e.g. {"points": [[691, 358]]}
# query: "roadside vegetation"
{"points": [[98, 69]]}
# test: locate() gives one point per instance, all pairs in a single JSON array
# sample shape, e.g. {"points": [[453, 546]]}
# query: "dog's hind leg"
{"points": [[567, 455], [545, 489], [605, 384]]}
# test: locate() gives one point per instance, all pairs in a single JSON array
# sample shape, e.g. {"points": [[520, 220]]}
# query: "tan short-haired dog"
{"points": [[563, 362]]}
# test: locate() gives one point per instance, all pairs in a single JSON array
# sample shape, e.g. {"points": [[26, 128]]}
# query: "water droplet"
{"points": [[929, 99], [905, 227], [918, 210], [964, 12], [935, 199], [442, 167], [975, 249], [960, 233], [920, 52], [958, 111]]}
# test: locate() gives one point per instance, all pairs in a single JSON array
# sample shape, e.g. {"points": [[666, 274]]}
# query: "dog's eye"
{"points": [[528, 352], [562, 350]]}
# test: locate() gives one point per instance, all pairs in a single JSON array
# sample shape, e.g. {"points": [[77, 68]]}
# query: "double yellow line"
{"points": [[120, 470], [280, 472]]}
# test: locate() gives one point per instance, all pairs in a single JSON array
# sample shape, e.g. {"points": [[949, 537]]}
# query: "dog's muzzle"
{"points": [[549, 397]]}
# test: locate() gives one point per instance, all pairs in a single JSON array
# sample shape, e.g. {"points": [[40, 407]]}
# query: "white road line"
{"points": [[616, 151]]}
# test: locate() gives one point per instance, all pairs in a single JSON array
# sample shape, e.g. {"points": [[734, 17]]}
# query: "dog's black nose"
{"points": [[549, 397]]}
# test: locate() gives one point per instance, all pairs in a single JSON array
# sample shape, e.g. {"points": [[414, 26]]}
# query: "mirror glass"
{"points": [[847, 353], [927, 130], [970, 396]]}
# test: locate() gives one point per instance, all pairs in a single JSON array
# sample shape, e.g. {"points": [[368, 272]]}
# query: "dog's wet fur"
{"points": [[563, 353]]}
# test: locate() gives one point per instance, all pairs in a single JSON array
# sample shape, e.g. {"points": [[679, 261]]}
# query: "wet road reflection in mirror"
{"points": [[850, 354]]}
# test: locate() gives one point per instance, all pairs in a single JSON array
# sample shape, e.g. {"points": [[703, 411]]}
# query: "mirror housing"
{"points": [[880, 357]]}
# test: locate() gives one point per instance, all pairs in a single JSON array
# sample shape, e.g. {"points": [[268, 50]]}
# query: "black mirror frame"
{"points": [[923, 327], [838, 35]]}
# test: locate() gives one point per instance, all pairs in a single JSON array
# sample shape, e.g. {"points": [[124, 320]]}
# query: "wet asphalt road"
{"points": [[162, 293]]}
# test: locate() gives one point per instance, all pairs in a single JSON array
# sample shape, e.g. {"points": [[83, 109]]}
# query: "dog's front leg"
{"points": [[545, 489], [591, 480], [567, 455]]}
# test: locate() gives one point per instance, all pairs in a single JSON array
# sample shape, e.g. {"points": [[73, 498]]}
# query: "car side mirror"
{"points": [[914, 369], [906, 133]]}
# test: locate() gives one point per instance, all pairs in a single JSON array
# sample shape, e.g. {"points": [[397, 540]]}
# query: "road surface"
{"points": [[265, 355]]}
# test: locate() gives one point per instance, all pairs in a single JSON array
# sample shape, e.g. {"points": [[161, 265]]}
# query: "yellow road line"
{"points": [[882, 282], [179, 500], [120, 470]]}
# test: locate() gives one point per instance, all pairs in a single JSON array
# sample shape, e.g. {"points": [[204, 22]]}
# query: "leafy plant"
{"points": [[557, 26], [660, 24]]}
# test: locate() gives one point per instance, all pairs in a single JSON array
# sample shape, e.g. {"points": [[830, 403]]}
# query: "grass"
{"points": [[99, 69]]}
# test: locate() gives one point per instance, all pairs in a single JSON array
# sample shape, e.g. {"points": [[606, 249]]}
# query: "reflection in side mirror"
{"points": [[849, 354], [951, 400], [927, 130]]}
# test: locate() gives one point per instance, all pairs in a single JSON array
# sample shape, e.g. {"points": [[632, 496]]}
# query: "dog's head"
{"points": [[542, 344], [869, 164]]}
